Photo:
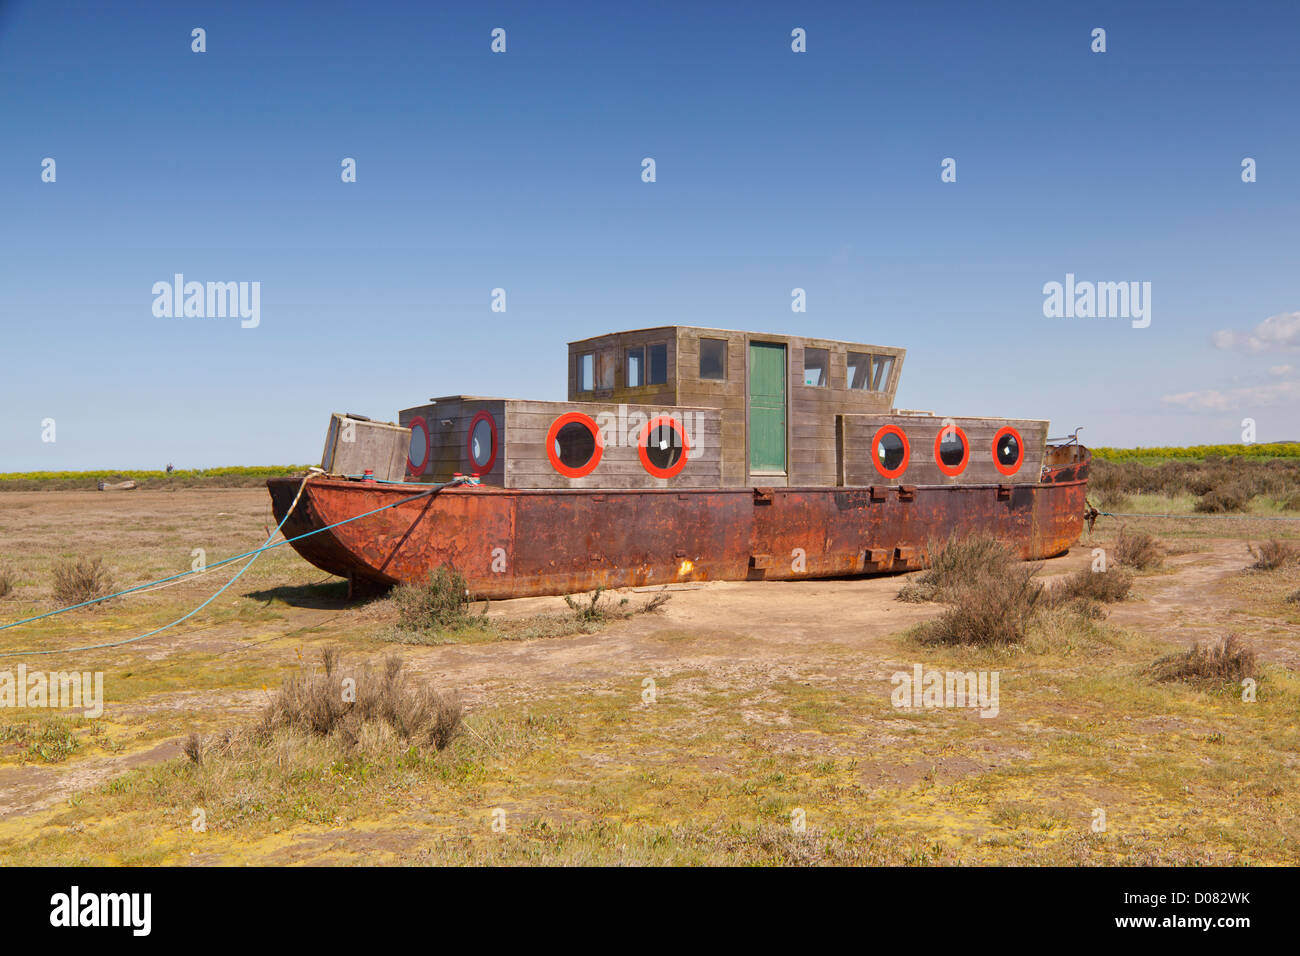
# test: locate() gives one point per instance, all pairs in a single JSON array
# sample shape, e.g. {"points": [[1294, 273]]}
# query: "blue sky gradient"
{"points": [[522, 171]]}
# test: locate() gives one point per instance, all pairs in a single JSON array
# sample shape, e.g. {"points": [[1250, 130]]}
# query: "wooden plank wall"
{"points": [[921, 431], [813, 409], [449, 444], [528, 466], [729, 396]]}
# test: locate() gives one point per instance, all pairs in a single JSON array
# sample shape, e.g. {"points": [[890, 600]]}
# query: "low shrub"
{"points": [[439, 602], [333, 703], [1105, 587], [76, 582], [1139, 550], [955, 565], [1227, 659], [993, 607], [598, 608], [1222, 500], [1273, 554]]}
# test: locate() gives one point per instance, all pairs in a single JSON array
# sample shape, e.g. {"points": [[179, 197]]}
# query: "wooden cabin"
{"points": [[778, 394], [691, 407]]}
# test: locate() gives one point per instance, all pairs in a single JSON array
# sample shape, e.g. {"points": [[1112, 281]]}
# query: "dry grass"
{"points": [[1138, 550], [1273, 554], [1227, 659], [338, 703], [1105, 587], [76, 582], [6, 582]]}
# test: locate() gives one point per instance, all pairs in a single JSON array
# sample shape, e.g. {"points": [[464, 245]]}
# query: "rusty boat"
{"points": [[683, 454]]}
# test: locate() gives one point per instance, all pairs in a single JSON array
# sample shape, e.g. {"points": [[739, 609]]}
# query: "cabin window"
{"points": [[587, 372], [891, 451], [1008, 450], [816, 366], [951, 451], [417, 455], [634, 376], [573, 445], [658, 364], [663, 447], [884, 364], [859, 370], [483, 442], [713, 359]]}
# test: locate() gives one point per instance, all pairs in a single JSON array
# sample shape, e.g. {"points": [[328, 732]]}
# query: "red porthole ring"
{"points": [[574, 445], [1002, 450], [878, 438], [424, 458], [643, 447], [477, 467], [952, 471]]}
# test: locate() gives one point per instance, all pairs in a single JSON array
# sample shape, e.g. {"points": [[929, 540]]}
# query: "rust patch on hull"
{"points": [[520, 543]]}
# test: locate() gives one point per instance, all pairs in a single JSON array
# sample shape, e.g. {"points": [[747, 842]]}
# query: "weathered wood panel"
{"points": [[529, 465], [858, 431]]}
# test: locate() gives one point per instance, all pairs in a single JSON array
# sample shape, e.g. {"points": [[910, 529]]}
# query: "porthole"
{"points": [[951, 451], [1008, 450], [482, 442], [890, 451], [419, 446], [573, 445], [663, 447]]}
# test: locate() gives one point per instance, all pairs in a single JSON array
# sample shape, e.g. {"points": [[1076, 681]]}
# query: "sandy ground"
{"points": [[749, 634]]}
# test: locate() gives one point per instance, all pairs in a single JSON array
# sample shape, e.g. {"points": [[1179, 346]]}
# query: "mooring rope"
{"points": [[251, 555]]}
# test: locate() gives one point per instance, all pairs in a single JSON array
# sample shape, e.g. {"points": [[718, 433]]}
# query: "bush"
{"points": [[1227, 659], [1113, 499], [1222, 500], [6, 582], [81, 581], [1106, 587], [993, 606], [321, 704], [1138, 550], [1272, 555], [442, 601], [956, 565]]}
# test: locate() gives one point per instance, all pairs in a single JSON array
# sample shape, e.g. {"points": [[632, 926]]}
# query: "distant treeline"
{"points": [[228, 477], [1200, 452]]}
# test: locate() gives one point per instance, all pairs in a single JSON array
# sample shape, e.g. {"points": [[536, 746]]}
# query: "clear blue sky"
{"points": [[522, 170]]}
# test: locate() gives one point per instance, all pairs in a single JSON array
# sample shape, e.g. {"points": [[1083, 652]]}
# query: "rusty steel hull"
{"points": [[517, 543]]}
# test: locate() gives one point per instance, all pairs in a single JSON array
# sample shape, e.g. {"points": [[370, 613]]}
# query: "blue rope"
{"points": [[251, 555]]}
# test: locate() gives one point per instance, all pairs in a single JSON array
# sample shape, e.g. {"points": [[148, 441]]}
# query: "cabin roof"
{"points": [[709, 328]]}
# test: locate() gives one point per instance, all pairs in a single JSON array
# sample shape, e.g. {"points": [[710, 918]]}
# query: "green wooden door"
{"points": [[766, 406]]}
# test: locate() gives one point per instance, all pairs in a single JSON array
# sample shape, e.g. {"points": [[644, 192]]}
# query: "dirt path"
{"points": [[1191, 604]]}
